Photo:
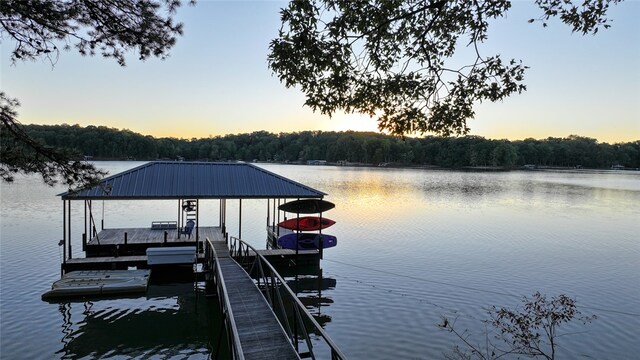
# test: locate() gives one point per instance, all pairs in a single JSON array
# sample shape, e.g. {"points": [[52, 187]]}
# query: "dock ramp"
{"points": [[263, 317], [253, 329]]}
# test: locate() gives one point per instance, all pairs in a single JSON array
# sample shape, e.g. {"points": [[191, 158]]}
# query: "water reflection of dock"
{"points": [[136, 326], [309, 290]]}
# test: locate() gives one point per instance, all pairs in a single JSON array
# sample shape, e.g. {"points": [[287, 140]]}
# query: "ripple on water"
{"points": [[414, 245]]}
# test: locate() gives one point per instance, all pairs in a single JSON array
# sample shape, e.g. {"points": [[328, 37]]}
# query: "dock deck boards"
{"points": [[259, 331], [152, 236]]}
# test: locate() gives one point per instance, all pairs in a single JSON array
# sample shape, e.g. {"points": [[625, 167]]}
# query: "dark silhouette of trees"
{"points": [[532, 331], [20, 153], [41, 28], [109, 28], [389, 59], [355, 147]]}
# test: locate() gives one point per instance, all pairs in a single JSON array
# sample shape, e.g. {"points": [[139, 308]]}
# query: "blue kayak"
{"points": [[307, 241]]}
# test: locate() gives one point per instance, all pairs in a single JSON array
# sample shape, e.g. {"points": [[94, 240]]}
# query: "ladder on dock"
{"points": [[190, 208], [190, 217], [258, 326]]}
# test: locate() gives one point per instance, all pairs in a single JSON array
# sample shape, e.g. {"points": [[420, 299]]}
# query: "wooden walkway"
{"points": [[259, 331]]}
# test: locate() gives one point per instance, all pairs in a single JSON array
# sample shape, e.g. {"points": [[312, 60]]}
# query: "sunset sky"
{"points": [[216, 81]]}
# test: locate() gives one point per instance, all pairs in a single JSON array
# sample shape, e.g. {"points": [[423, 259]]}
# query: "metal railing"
{"points": [[291, 313], [235, 348]]}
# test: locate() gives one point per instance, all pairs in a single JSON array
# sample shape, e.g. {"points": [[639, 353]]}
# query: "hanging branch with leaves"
{"points": [[415, 65]]}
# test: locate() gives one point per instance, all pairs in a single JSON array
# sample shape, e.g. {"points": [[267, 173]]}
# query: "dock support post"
{"points": [[84, 236], [197, 224], [223, 217], [321, 240], [64, 232], [102, 219], [69, 228], [240, 220], [179, 217], [125, 238], [167, 234], [278, 228]]}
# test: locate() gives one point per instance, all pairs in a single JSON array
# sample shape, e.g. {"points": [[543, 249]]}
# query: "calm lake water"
{"points": [[413, 246]]}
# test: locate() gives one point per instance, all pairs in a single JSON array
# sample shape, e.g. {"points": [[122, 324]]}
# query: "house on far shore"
{"points": [[316, 162]]}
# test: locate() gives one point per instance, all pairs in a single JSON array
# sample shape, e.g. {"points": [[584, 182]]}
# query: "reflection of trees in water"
{"points": [[182, 324]]}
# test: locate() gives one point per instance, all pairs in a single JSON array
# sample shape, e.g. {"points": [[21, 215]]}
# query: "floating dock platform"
{"points": [[99, 283]]}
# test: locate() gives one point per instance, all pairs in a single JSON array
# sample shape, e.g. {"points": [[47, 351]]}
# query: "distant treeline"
{"points": [[355, 147]]}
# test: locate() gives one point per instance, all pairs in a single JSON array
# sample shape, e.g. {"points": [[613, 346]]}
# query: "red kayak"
{"points": [[307, 223]]}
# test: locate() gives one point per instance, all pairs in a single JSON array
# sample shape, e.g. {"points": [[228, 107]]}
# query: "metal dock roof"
{"points": [[195, 180]]}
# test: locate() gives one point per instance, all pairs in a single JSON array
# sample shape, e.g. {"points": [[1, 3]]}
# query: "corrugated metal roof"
{"points": [[203, 180]]}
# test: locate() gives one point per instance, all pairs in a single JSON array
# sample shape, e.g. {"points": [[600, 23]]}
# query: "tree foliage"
{"points": [[20, 153], [396, 59], [110, 28], [393, 59], [356, 147], [41, 28], [532, 330]]}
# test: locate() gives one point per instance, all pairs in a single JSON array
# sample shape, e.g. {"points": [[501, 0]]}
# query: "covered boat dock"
{"points": [[253, 329], [189, 184]]}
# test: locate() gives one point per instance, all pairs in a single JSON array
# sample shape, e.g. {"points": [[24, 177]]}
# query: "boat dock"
{"points": [[264, 319], [135, 241], [109, 250]]}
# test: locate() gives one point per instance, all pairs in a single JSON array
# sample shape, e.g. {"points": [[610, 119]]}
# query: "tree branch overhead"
{"points": [[392, 59]]}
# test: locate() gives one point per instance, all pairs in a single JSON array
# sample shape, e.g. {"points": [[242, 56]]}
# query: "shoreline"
{"points": [[403, 166]]}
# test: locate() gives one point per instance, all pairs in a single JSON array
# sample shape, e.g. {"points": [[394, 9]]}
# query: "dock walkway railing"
{"points": [[294, 317], [234, 345]]}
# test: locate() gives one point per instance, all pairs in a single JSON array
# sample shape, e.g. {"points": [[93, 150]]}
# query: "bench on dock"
{"points": [[171, 255], [164, 225]]}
